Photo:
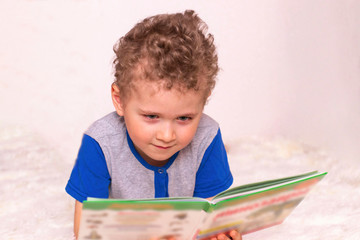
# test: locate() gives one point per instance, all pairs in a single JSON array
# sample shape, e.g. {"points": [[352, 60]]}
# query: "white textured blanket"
{"points": [[34, 205]]}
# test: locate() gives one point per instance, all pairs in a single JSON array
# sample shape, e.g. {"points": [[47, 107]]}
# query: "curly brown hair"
{"points": [[172, 49]]}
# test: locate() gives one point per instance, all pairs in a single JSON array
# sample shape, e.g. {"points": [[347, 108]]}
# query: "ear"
{"points": [[115, 96]]}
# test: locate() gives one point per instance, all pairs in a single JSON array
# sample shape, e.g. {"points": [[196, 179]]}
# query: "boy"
{"points": [[158, 143]]}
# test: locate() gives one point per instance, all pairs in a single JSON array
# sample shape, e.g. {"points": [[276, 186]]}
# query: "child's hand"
{"points": [[232, 235]]}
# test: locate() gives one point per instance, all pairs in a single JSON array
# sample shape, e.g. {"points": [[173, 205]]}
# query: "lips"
{"points": [[162, 147]]}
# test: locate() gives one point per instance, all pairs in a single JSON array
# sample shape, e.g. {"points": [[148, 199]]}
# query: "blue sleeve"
{"points": [[213, 175], [90, 176]]}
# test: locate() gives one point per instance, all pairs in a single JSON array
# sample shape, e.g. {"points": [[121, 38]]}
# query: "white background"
{"points": [[289, 68]]}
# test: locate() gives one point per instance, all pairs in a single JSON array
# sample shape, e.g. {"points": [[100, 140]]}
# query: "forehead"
{"points": [[154, 95], [141, 87]]}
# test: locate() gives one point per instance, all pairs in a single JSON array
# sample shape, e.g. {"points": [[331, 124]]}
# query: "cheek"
{"points": [[138, 132], [187, 134], [141, 133]]}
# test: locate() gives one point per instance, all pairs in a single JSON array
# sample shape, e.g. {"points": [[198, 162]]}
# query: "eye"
{"points": [[151, 117], [184, 118]]}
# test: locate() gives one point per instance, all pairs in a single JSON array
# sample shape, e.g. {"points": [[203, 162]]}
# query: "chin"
{"points": [[161, 159]]}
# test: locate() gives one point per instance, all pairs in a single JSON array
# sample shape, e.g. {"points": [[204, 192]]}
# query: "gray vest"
{"points": [[129, 178]]}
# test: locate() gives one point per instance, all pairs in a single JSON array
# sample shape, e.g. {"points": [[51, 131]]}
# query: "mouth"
{"points": [[162, 147]]}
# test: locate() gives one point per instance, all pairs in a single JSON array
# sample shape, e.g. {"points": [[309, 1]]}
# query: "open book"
{"points": [[247, 208]]}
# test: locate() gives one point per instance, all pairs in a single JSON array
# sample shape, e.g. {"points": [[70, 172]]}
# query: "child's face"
{"points": [[160, 122]]}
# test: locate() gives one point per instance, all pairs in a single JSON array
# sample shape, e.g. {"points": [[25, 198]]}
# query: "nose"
{"points": [[166, 133]]}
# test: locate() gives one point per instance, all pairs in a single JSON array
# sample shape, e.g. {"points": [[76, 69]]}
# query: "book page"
{"points": [[139, 220], [256, 211], [255, 187], [136, 225]]}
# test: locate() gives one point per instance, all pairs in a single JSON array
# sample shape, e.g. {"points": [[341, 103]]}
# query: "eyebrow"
{"points": [[148, 112], [189, 114]]}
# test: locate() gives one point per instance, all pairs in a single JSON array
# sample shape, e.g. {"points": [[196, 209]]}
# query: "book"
{"points": [[246, 208]]}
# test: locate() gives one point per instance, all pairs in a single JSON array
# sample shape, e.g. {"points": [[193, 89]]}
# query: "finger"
{"points": [[235, 235], [222, 237]]}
